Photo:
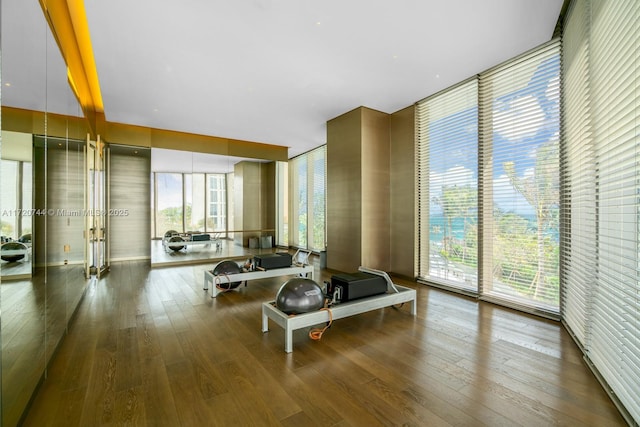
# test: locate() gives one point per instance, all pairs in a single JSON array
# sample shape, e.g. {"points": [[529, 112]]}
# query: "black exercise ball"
{"points": [[299, 295], [224, 268], [176, 239], [13, 246]]}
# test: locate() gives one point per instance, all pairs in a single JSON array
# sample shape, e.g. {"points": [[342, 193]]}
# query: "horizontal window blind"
{"points": [[579, 174], [519, 113], [282, 203], [447, 126], [318, 159], [307, 183], [601, 298], [613, 345], [298, 184]]}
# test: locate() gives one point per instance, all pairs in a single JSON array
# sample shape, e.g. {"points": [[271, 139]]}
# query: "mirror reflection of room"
{"points": [[209, 207], [17, 208]]}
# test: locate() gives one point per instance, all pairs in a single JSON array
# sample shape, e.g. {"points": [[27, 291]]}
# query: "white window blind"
{"points": [[298, 176], [601, 296], [447, 125], [317, 161], [519, 135], [282, 203], [307, 195], [579, 175]]}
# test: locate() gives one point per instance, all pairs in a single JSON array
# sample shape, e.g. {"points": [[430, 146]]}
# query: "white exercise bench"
{"points": [[298, 268], [395, 294]]}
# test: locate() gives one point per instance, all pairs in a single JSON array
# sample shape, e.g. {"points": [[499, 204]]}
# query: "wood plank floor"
{"points": [[149, 347]]}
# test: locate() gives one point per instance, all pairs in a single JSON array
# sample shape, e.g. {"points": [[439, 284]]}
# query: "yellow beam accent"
{"points": [[68, 23]]}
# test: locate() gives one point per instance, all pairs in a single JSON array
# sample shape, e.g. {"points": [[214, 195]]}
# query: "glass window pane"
{"points": [[27, 197], [521, 107], [169, 198], [10, 213], [195, 196], [448, 154], [217, 203]]}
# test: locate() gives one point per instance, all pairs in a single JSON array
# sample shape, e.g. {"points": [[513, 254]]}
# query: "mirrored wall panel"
{"points": [[207, 207]]}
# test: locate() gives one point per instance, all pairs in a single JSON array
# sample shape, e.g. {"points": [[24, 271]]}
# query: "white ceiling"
{"points": [[271, 71]]}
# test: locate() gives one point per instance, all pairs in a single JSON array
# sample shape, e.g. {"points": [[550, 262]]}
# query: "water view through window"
{"points": [[489, 180]]}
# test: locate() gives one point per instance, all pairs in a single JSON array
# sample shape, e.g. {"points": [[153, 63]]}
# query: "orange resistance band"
{"points": [[316, 333]]}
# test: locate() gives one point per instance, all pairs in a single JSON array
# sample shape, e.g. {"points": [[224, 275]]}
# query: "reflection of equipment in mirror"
{"points": [[226, 268], [176, 242], [14, 251]]}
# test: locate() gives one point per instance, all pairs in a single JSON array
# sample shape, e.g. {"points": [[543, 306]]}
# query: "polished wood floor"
{"points": [[149, 347]]}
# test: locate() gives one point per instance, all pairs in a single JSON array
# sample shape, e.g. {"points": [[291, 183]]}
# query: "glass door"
{"points": [[96, 253]]}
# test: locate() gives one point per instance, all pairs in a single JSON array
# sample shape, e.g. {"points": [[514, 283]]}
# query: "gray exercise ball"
{"points": [[227, 267], [299, 295]]}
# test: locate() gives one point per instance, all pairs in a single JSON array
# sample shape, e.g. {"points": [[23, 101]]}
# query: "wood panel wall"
{"points": [[375, 189], [59, 187], [402, 193], [358, 190], [254, 200], [130, 201], [344, 191], [371, 191]]}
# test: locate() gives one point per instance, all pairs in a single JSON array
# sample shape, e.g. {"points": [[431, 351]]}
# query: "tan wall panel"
{"points": [[269, 197], [27, 121], [375, 189], [254, 200], [129, 192], [344, 191], [238, 203], [118, 133], [188, 142], [33, 122], [402, 193], [64, 193]]}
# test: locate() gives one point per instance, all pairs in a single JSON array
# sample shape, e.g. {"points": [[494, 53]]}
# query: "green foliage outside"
{"points": [[525, 255], [7, 229]]}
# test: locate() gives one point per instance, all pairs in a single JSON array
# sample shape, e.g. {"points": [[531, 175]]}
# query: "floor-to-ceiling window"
{"points": [[448, 155], [10, 201], [217, 202], [307, 185], [282, 203], [601, 192], [190, 202], [520, 129], [169, 203], [488, 178], [194, 190]]}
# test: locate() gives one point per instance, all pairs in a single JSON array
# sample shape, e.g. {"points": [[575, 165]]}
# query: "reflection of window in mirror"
{"points": [[217, 206], [16, 203], [10, 223], [169, 203]]}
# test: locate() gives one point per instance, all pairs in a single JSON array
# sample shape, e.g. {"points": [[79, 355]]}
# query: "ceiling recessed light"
{"points": [[437, 76], [7, 84]]}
